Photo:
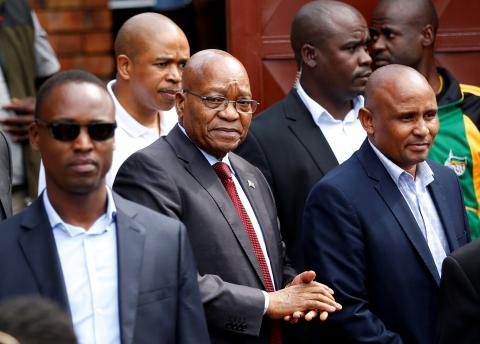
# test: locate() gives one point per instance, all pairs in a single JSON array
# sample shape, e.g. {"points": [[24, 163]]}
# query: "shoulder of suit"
{"points": [[148, 217], [441, 170], [469, 253], [151, 152], [274, 113]]}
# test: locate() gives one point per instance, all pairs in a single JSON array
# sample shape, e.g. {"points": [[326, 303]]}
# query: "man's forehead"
{"points": [[394, 14], [79, 95]]}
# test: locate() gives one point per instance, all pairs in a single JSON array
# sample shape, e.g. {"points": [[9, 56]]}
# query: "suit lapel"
{"points": [[389, 192], [196, 164], [250, 186], [438, 195], [38, 246], [305, 130], [130, 245]]}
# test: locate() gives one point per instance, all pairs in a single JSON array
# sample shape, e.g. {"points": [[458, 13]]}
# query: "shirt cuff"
{"points": [[267, 301]]}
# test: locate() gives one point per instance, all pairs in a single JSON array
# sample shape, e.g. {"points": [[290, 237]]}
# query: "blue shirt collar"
{"points": [[56, 221], [424, 173]]}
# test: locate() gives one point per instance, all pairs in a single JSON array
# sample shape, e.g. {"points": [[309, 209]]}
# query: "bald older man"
{"points": [[226, 205], [151, 51], [378, 227]]}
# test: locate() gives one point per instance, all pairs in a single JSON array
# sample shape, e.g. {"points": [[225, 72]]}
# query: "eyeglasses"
{"points": [[220, 103], [67, 131]]}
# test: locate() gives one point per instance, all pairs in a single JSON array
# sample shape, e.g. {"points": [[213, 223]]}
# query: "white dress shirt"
{"points": [[88, 259], [248, 208], [344, 137], [422, 207], [130, 136]]}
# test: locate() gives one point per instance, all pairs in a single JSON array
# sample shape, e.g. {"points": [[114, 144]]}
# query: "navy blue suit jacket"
{"points": [[363, 241], [159, 300]]}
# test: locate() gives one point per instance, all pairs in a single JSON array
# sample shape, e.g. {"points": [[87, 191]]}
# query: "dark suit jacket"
{"points": [[5, 178], [173, 177], [459, 313], [363, 241], [291, 151], [159, 301]]}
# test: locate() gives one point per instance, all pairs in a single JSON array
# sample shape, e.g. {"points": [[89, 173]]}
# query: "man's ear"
{"points": [[428, 36], [309, 54], [366, 118], [180, 105], [124, 66], [33, 133]]}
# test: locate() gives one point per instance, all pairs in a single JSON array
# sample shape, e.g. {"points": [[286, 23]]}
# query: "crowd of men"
{"points": [[167, 215]]}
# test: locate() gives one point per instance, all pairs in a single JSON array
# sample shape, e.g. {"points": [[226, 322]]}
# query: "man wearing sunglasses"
{"points": [[227, 206], [151, 51], [124, 273]]}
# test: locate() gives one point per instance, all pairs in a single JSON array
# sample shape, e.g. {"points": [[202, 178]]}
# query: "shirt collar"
{"points": [[318, 111], [424, 173], [210, 158], [125, 120], [57, 222]]}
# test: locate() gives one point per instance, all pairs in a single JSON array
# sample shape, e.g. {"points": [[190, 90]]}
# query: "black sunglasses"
{"points": [[67, 131]]}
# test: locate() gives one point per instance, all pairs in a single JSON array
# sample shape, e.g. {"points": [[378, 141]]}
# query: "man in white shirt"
{"points": [[298, 140], [151, 51], [125, 274]]}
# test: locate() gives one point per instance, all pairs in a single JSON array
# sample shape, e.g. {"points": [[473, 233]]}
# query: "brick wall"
{"points": [[80, 33]]}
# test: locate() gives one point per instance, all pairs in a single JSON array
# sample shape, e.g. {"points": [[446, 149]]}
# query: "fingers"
{"points": [[323, 316], [304, 277], [20, 120], [312, 314], [21, 106]]}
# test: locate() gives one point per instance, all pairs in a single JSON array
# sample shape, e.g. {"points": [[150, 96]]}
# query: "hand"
{"points": [[302, 295], [18, 124], [306, 277]]}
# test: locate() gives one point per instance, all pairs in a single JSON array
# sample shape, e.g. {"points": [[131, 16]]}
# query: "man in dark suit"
{"points": [[5, 178], [226, 205], [378, 227], [459, 308], [124, 273], [298, 140]]}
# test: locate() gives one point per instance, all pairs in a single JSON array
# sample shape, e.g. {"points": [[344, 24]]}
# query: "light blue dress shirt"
{"points": [[415, 193], [89, 264]]}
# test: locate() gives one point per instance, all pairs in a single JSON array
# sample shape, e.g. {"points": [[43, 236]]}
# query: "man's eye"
{"points": [[215, 100], [161, 64], [430, 115], [388, 34]]}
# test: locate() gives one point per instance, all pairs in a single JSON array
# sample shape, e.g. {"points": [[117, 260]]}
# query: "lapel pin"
{"points": [[251, 184]]}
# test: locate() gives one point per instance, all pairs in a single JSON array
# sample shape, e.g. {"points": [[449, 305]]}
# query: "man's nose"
{"points": [[377, 44], [83, 141], [421, 128], [365, 58], [174, 73]]}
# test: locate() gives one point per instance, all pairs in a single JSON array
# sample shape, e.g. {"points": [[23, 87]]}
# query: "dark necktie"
{"points": [[225, 175]]}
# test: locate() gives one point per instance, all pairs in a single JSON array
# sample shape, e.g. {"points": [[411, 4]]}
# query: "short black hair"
{"points": [[36, 320], [69, 76]]}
